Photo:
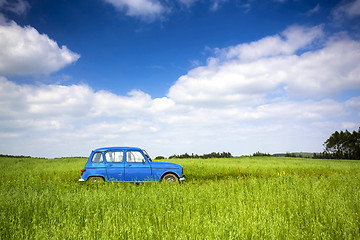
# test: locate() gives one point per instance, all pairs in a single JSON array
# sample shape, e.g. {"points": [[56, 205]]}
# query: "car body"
{"points": [[128, 164]]}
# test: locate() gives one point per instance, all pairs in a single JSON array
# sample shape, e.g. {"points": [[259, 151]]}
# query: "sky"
{"points": [[177, 76]]}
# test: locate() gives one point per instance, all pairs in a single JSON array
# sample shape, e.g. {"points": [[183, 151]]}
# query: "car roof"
{"points": [[116, 148]]}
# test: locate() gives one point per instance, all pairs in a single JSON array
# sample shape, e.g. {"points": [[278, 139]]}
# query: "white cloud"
{"points": [[146, 9], [326, 71], [308, 110], [247, 74], [55, 120], [56, 114], [44, 102], [133, 105], [293, 39], [354, 103], [19, 7], [216, 4], [24, 51], [149, 10], [313, 10], [347, 9]]}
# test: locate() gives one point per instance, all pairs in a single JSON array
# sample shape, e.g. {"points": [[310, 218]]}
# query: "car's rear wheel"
{"points": [[96, 179], [169, 177]]}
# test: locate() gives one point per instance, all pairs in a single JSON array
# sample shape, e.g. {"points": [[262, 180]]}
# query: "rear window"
{"points": [[97, 157]]}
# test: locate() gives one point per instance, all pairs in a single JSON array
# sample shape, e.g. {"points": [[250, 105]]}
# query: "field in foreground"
{"points": [[237, 198]]}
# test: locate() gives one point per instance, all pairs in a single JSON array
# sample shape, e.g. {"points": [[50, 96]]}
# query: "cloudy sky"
{"points": [[176, 76]]}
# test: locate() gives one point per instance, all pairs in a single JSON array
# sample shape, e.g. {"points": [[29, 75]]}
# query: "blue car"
{"points": [[128, 164]]}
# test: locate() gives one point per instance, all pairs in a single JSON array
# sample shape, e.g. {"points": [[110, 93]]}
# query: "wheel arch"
{"points": [[104, 178], [178, 177]]}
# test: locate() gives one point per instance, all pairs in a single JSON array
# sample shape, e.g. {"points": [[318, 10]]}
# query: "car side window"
{"points": [[97, 158], [114, 156], [134, 156]]}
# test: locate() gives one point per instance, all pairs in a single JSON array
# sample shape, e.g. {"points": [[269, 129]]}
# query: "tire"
{"points": [[96, 179], [170, 177]]}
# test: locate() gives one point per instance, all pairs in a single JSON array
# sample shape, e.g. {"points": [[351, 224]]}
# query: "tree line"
{"points": [[340, 145], [204, 156], [13, 156]]}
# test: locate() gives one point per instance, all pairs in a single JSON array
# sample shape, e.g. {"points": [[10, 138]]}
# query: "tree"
{"points": [[343, 145]]}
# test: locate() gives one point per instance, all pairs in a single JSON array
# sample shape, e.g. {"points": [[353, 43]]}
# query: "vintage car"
{"points": [[128, 164]]}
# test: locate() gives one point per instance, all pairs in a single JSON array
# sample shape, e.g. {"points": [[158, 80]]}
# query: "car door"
{"points": [[115, 165], [137, 167]]}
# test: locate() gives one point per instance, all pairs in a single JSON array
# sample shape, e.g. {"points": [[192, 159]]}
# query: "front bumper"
{"points": [[182, 178]]}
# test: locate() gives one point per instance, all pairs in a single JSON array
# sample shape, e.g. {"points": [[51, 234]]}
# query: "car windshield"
{"points": [[147, 155]]}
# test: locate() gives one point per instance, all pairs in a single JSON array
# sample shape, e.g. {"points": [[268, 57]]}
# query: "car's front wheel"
{"points": [[96, 179], [169, 177]]}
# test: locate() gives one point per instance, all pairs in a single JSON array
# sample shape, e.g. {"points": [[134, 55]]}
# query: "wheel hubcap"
{"points": [[170, 179]]}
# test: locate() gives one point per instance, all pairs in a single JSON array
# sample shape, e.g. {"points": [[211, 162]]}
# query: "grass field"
{"points": [[236, 198]]}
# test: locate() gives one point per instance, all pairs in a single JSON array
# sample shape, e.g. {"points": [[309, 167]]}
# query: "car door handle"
{"points": [[109, 165], [127, 165]]}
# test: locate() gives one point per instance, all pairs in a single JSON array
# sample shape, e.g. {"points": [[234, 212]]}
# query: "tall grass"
{"points": [[237, 198]]}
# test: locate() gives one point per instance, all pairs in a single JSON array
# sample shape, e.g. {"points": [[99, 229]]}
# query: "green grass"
{"points": [[237, 198]]}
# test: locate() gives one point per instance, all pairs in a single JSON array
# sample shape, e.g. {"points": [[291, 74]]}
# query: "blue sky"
{"points": [[177, 76]]}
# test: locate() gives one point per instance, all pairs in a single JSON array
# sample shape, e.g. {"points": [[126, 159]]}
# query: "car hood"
{"points": [[167, 165]]}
